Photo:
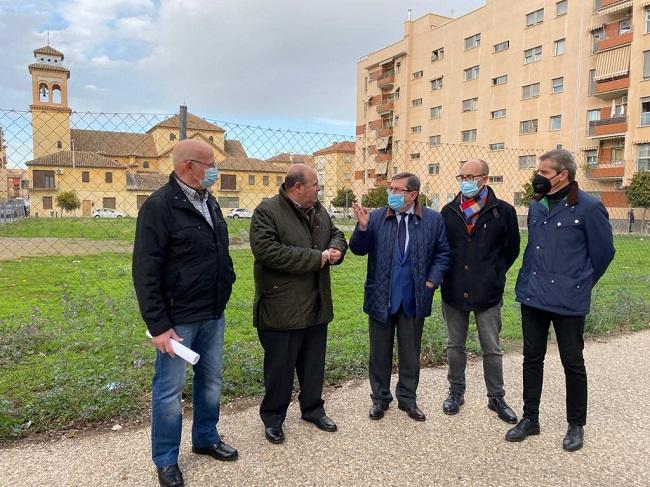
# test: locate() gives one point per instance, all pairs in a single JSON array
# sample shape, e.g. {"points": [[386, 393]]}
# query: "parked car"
{"points": [[107, 213], [240, 213], [340, 214]]}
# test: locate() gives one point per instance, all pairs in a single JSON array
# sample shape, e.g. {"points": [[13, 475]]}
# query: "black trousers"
{"points": [[409, 341], [569, 331], [286, 352]]}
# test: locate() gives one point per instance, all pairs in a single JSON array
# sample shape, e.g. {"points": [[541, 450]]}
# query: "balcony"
{"points": [[611, 88], [46, 187], [385, 131], [387, 80], [608, 126], [385, 107], [614, 41], [604, 7], [384, 157], [614, 170]]}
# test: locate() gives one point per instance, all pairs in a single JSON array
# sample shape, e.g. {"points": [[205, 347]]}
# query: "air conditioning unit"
{"points": [[59, 172], [618, 185]]}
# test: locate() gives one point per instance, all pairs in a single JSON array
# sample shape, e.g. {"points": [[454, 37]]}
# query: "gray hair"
{"points": [[562, 160], [412, 181]]}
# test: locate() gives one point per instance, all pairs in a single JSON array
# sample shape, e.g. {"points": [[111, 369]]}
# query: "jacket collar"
{"points": [[417, 210], [283, 194], [572, 197]]}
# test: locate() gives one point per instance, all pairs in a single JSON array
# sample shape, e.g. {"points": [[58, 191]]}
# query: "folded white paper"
{"points": [[182, 351]]}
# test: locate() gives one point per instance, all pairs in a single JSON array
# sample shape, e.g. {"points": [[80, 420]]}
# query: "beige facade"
{"points": [[335, 168], [523, 76]]}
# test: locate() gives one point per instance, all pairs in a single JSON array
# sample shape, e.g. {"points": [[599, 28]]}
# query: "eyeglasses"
{"points": [[397, 190], [469, 177], [212, 164]]}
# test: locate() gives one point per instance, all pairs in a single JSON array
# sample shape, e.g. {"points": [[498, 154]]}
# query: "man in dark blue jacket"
{"points": [[408, 255], [484, 237], [570, 246], [183, 276]]}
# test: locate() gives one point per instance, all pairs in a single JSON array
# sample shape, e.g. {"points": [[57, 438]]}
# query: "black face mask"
{"points": [[542, 185]]}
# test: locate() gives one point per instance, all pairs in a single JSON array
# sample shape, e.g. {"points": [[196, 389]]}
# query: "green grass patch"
{"points": [[73, 350]]}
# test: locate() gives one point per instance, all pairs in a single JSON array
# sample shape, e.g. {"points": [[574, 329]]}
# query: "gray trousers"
{"points": [[488, 323]]}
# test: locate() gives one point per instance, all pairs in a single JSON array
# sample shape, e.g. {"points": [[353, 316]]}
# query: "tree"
{"points": [[376, 198], [638, 192], [67, 200], [528, 192], [344, 198]]}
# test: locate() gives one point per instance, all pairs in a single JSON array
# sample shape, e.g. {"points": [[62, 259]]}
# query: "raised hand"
{"points": [[362, 215]]}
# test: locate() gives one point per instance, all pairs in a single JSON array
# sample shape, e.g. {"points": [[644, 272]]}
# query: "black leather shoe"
{"points": [[274, 435], [502, 409], [453, 403], [414, 412], [222, 451], [324, 423], [377, 411], [524, 428], [170, 476], [573, 439]]}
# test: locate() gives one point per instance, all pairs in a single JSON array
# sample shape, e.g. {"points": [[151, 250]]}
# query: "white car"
{"points": [[240, 213], [107, 213], [340, 214]]}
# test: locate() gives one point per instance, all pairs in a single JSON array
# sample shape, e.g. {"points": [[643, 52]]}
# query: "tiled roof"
{"points": [[251, 165], [193, 123], [81, 159], [114, 143], [288, 158], [48, 50], [234, 148], [346, 146], [145, 181], [49, 67]]}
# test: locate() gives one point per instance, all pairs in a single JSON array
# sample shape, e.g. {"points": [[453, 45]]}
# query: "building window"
{"points": [[436, 84], [527, 162], [85, 176], [532, 55], [265, 180], [468, 135], [645, 110], [228, 181], [438, 54], [591, 157], [643, 161], [251, 179], [592, 81], [498, 146], [530, 91], [418, 74], [647, 20], [500, 80], [417, 129], [561, 8], [108, 177], [108, 203], [596, 36], [625, 26], [557, 85], [415, 155], [436, 112], [495, 179], [434, 140], [617, 154], [470, 105], [555, 122], [434, 169], [145, 165], [559, 47], [498, 113], [528, 126], [278, 180], [534, 18], [59, 144], [229, 201], [473, 41], [172, 136], [47, 202], [646, 64], [502, 46], [417, 102], [517, 197], [471, 73], [211, 138]]}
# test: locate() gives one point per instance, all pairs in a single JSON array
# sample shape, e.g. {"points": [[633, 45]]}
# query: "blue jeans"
{"points": [[206, 339]]}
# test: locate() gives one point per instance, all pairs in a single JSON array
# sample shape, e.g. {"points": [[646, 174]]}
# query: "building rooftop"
{"points": [[194, 122], [80, 158], [346, 147], [48, 50], [114, 143]]}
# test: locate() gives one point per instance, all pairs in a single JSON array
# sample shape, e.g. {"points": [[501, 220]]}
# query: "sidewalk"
{"points": [[466, 449]]}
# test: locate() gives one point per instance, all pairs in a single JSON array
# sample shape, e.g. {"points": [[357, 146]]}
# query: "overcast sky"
{"points": [[280, 63]]}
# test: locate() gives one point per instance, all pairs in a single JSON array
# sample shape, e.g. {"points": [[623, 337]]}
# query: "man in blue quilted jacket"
{"points": [[408, 255], [570, 246]]}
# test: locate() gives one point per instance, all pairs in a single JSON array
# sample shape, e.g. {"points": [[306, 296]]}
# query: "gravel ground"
{"points": [[466, 449]]}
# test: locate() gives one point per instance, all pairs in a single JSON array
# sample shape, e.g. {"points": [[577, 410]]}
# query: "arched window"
{"points": [[145, 165], [172, 136], [56, 94], [211, 139], [59, 144], [43, 93]]}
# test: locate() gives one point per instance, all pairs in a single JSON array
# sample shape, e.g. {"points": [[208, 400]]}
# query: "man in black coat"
{"points": [[183, 276], [484, 238]]}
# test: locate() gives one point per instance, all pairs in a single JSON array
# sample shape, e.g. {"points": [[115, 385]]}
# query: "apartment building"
{"points": [[506, 82]]}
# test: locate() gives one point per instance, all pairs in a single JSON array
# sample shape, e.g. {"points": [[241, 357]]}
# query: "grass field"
{"points": [[73, 350]]}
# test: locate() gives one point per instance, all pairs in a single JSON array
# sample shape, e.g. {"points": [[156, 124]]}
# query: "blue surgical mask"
{"points": [[210, 175], [469, 188], [395, 201]]}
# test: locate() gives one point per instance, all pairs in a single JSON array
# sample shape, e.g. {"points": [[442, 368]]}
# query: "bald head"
{"points": [[190, 158], [475, 167], [298, 173], [301, 184]]}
